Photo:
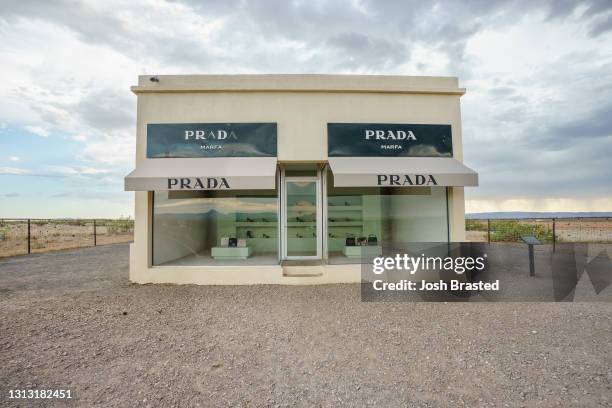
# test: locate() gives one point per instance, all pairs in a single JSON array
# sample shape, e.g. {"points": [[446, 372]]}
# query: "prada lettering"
{"points": [[389, 135], [197, 183], [406, 180], [389, 140], [210, 134]]}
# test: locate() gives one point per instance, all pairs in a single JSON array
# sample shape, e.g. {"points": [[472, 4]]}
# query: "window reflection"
{"points": [[215, 228]]}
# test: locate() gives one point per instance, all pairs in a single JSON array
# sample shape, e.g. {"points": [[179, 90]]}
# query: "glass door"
{"points": [[302, 220]]}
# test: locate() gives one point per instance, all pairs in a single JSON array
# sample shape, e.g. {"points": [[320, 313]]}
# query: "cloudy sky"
{"points": [[537, 116]]}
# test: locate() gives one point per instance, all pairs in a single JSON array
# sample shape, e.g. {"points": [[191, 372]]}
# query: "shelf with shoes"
{"points": [[357, 216], [256, 224], [260, 231], [344, 216], [344, 208]]}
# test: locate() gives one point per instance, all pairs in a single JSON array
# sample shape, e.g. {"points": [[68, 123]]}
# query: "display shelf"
{"points": [[231, 252], [345, 224], [256, 224], [340, 208], [302, 224], [360, 251]]}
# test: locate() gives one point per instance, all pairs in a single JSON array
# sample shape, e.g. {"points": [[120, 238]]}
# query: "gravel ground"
{"points": [[72, 320]]}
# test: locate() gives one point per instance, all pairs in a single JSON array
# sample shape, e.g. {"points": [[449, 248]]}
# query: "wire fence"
{"points": [[35, 235], [546, 230]]}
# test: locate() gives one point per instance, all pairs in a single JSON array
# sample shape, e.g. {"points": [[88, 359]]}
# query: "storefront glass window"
{"points": [[215, 228], [383, 217], [301, 218]]}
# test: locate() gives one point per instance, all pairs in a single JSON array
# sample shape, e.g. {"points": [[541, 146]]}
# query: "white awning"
{"points": [[235, 173], [401, 172]]}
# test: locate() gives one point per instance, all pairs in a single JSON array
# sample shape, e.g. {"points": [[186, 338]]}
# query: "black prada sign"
{"points": [[406, 180], [389, 139], [198, 183], [211, 140]]}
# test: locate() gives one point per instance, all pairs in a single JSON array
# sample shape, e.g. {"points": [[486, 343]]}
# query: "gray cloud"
{"points": [[376, 35], [91, 195], [598, 124], [107, 109], [598, 13], [547, 133], [357, 50], [601, 26]]}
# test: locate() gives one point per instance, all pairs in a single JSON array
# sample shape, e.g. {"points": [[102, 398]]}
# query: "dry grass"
{"points": [[51, 235], [573, 230]]}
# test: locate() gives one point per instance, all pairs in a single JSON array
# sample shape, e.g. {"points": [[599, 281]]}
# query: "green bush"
{"points": [[511, 231]]}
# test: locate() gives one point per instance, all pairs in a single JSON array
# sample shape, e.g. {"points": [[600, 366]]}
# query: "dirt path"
{"points": [[72, 320]]}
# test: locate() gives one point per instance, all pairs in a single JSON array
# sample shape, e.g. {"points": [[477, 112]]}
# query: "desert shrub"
{"points": [[120, 226], [4, 230], [511, 231], [475, 225]]}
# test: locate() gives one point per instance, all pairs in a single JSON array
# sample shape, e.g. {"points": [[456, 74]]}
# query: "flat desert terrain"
{"points": [[71, 319], [53, 236]]}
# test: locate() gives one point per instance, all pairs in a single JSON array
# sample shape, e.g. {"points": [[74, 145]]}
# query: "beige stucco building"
{"points": [[291, 179]]}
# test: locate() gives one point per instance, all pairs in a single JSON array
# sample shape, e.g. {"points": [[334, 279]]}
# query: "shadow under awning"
{"points": [[236, 173], [400, 172]]}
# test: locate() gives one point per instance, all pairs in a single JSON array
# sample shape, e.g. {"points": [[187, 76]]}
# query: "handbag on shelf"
{"points": [[224, 241], [241, 243], [362, 241], [350, 241], [372, 239]]}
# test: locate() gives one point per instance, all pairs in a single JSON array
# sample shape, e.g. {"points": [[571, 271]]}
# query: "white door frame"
{"points": [[319, 215]]}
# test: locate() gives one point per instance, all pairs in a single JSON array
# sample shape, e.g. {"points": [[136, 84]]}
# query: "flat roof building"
{"points": [[291, 179]]}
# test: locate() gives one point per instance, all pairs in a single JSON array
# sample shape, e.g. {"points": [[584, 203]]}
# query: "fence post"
{"points": [[29, 236], [554, 236], [95, 237], [488, 230]]}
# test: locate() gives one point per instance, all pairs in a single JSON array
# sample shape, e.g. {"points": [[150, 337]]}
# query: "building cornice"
{"points": [[298, 83]]}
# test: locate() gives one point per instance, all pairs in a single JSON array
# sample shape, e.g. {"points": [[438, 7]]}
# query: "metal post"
{"points": [[29, 236], [531, 262], [489, 230], [95, 237], [554, 236]]}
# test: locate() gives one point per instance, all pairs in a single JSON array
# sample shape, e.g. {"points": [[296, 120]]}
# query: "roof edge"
{"points": [[298, 83]]}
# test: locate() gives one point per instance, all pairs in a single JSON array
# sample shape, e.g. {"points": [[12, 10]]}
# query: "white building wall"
{"points": [[301, 105]]}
